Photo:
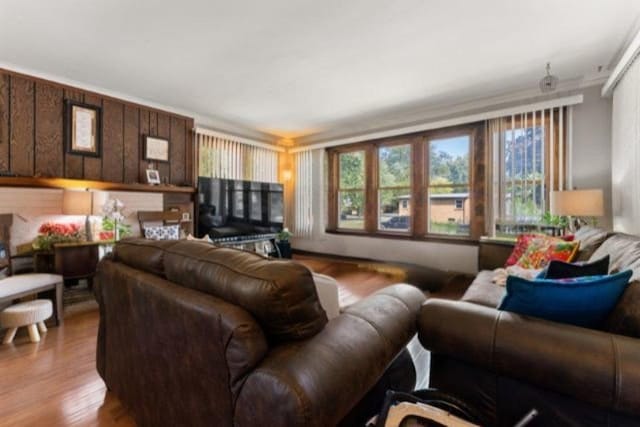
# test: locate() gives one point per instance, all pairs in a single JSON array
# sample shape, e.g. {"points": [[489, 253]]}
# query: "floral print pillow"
{"points": [[544, 249]]}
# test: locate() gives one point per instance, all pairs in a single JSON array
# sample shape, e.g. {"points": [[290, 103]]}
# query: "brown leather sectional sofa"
{"points": [[193, 335], [507, 364]]}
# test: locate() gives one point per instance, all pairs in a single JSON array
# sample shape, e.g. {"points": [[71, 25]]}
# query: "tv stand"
{"points": [[263, 244]]}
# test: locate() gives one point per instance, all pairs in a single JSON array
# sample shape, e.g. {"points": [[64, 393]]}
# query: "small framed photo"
{"points": [[153, 176], [83, 129], [186, 216], [156, 149]]}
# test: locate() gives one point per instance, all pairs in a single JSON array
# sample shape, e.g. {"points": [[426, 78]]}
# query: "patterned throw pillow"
{"points": [[166, 232], [543, 249], [522, 243]]}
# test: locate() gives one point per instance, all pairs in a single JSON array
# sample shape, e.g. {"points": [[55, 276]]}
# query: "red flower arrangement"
{"points": [[51, 233]]}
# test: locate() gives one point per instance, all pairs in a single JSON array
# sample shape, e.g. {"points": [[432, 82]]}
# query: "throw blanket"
{"points": [[500, 274]]}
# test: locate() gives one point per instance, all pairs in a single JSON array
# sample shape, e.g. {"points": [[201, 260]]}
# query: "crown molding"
{"points": [[452, 121], [627, 58], [416, 116]]}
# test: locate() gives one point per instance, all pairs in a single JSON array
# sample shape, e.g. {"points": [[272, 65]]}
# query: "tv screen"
{"points": [[228, 208]]}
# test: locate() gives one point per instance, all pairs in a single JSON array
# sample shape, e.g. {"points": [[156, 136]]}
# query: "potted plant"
{"points": [[282, 241], [113, 225]]}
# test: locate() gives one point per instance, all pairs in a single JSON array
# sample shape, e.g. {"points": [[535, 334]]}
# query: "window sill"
{"points": [[455, 240]]}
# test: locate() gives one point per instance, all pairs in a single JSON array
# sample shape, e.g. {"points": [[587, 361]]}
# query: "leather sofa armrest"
{"points": [[592, 366], [316, 382]]}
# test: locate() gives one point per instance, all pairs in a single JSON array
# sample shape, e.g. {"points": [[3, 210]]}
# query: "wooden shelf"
{"points": [[10, 181]]}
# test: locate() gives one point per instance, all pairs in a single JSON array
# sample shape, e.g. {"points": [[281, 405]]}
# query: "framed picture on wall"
{"points": [[153, 176], [156, 149], [83, 129]]}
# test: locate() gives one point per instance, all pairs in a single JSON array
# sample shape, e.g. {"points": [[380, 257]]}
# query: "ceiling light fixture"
{"points": [[549, 82]]}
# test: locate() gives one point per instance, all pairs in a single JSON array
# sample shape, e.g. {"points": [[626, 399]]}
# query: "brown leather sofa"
{"points": [[192, 334], [506, 364]]}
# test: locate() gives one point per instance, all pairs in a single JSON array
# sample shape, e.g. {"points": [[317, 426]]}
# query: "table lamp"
{"points": [[577, 204], [79, 202]]}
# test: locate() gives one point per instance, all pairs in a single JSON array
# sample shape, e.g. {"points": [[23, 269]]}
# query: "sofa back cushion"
{"points": [[590, 239], [143, 254], [281, 295], [624, 252]]}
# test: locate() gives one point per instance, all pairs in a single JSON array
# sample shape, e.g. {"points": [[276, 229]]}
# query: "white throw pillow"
{"points": [[327, 289]]}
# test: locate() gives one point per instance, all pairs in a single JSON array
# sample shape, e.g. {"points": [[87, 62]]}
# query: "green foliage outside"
{"points": [[395, 171]]}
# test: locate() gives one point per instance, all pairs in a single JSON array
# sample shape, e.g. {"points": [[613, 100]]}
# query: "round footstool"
{"points": [[27, 314]]}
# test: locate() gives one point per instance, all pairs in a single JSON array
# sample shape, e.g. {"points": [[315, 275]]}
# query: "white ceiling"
{"points": [[294, 67]]}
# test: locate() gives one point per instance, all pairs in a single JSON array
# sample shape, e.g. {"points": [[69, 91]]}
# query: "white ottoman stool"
{"points": [[26, 314]]}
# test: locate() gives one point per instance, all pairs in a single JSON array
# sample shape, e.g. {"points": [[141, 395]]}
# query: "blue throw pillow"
{"points": [[582, 301]]}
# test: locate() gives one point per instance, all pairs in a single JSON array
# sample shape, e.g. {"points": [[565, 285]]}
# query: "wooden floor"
{"points": [[55, 383]]}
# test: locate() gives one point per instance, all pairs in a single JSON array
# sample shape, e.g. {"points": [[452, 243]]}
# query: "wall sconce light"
{"points": [[286, 174]]}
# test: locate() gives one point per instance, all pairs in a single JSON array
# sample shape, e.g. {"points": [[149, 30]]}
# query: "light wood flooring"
{"points": [[55, 383]]}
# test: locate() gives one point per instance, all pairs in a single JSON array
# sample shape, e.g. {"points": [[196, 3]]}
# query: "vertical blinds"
{"points": [[527, 158], [625, 151], [225, 158], [302, 214]]}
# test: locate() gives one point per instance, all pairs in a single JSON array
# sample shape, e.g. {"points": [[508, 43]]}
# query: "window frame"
{"points": [[519, 120], [379, 187], [338, 189], [418, 185], [472, 133]]}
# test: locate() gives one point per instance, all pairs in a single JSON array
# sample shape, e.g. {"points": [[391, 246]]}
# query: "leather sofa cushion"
{"points": [[623, 251], [625, 317], [143, 254], [483, 291], [590, 239], [281, 295]]}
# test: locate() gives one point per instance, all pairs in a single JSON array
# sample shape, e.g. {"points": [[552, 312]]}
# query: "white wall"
{"points": [[591, 169], [32, 207], [591, 161]]}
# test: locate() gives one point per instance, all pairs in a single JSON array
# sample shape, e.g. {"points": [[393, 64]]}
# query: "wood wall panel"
{"points": [[32, 134], [93, 165], [178, 150], [113, 141], [4, 122], [144, 130], [131, 143], [164, 131], [73, 164], [49, 160], [22, 105]]}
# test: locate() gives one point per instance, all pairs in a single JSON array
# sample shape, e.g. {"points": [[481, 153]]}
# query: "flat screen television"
{"points": [[234, 208]]}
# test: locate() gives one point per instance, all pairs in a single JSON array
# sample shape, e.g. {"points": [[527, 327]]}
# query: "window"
{"points": [[394, 187], [351, 190], [411, 186], [528, 157], [448, 185]]}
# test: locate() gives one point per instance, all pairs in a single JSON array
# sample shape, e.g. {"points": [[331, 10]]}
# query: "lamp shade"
{"points": [[77, 202], [577, 203]]}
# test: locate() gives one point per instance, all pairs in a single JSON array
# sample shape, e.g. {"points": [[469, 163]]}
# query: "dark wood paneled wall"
{"points": [[32, 144]]}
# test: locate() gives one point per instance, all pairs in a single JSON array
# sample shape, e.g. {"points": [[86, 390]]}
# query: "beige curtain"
{"points": [[225, 158]]}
